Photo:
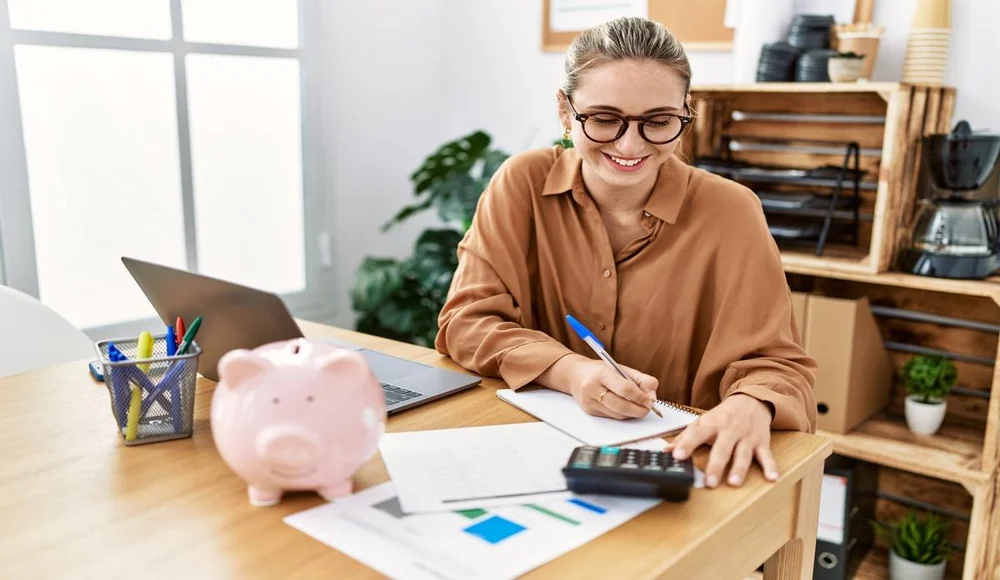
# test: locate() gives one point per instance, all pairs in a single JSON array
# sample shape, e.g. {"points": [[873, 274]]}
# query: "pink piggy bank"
{"points": [[296, 415]]}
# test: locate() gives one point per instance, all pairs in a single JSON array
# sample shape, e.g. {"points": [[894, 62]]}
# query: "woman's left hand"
{"points": [[739, 430]]}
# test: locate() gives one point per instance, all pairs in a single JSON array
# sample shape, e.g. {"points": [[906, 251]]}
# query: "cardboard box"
{"points": [[855, 374]]}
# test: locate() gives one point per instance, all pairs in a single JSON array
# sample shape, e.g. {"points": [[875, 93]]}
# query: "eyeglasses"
{"points": [[658, 129]]}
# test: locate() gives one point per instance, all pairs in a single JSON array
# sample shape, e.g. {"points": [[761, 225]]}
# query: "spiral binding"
{"points": [[678, 407]]}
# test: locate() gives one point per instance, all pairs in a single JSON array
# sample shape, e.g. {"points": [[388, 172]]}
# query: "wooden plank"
{"points": [[953, 454], [982, 552], [934, 96], [890, 181], [949, 338], [908, 191], [868, 163], [858, 103], [704, 108], [867, 136], [991, 447], [819, 88], [946, 495], [947, 110], [882, 291], [989, 287], [851, 261]]}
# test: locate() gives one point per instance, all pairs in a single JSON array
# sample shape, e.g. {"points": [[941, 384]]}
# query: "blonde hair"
{"points": [[626, 38]]}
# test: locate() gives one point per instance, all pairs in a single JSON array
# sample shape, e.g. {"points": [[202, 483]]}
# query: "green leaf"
{"points": [[929, 376], [375, 281], [407, 212]]}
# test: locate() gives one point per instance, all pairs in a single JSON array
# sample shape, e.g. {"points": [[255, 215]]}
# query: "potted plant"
{"points": [[401, 299], [845, 67], [917, 548], [928, 380]]}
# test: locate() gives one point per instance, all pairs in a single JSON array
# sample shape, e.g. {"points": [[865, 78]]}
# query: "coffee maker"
{"points": [[957, 230]]}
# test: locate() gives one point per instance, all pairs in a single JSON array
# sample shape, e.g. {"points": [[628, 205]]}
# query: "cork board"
{"points": [[698, 28]]}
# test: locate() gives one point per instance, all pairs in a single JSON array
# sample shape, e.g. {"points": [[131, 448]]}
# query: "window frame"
{"points": [[18, 267]]}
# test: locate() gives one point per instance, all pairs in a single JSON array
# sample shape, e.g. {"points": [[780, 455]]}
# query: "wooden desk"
{"points": [[75, 502]]}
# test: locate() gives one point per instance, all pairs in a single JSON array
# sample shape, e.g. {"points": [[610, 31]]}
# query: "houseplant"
{"points": [[928, 380], [917, 548], [845, 67], [401, 299]]}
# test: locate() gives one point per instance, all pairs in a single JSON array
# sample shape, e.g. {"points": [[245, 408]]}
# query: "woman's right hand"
{"points": [[599, 389]]}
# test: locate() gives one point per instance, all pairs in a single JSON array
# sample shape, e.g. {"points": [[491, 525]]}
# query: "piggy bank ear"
{"points": [[346, 363], [239, 365]]}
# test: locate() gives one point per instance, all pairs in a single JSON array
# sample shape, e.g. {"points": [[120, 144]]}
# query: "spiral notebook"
{"points": [[562, 412]]}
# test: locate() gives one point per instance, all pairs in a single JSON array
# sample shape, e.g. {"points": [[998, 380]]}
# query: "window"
{"points": [[168, 130]]}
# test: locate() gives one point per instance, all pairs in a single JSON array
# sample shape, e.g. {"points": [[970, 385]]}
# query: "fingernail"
{"points": [[679, 454], [735, 480], [712, 480], [772, 475]]}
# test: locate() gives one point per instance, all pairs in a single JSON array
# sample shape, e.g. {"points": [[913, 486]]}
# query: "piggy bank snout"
{"points": [[289, 448]]}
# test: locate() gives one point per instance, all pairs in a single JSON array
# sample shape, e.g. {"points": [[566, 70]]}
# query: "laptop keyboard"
{"points": [[394, 394]]}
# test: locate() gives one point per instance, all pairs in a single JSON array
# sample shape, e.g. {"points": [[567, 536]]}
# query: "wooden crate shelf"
{"points": [[887, 121], [953, 454], [989, 287]]}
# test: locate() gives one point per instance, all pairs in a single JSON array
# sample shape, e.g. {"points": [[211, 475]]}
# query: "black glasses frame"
{"points": [[625, 120]]}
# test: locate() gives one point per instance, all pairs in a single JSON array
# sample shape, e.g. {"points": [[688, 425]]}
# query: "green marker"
{"points": [[189, 336]]}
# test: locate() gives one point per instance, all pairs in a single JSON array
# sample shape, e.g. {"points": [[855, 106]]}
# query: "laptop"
{"points": [[240, 317]]}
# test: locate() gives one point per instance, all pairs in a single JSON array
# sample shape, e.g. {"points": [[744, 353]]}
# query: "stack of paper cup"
{"points": [[927, 47]]}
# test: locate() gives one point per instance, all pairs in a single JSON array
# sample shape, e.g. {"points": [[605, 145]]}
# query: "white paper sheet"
{"points": [[577, 15], [502, 542], [474, 467], [833, 502]]}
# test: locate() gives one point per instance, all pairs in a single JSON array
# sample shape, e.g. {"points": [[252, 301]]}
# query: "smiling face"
{"points": [[627, 88]]}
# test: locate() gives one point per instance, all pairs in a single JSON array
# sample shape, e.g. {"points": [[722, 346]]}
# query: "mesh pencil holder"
{"points": [[151, 399]]}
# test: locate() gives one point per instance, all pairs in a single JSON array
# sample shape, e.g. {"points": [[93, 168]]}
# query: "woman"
{"points": [[672, 267]]}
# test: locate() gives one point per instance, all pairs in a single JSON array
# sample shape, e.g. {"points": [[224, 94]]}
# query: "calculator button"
{"points": [[607, 459]]}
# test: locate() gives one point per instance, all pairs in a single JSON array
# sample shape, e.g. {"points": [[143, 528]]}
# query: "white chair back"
{"points": [[33, 336]]}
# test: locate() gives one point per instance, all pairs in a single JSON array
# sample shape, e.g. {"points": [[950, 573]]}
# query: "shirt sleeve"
{"points": [[755, 348], [486, 322]]}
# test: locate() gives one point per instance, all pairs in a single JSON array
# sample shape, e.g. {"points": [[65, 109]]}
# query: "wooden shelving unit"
{"points": [[963, 454], [893, 119], [989, 288], [953, 454], [809, 126]]}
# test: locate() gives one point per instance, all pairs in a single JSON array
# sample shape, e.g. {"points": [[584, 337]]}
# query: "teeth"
{"points": [[624, 162]]}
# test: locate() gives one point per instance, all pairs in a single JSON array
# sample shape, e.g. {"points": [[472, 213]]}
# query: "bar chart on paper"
{"points": [[496, 542]]}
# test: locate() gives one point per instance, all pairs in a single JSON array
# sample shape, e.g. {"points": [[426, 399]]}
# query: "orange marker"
{"points": [[179, 330]]}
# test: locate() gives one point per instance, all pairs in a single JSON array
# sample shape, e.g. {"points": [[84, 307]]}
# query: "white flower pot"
{"points": [[902, 569], [924, 418]]}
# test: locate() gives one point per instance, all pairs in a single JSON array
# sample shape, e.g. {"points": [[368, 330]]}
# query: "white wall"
{"points": [[383, 112], [498, 79]]}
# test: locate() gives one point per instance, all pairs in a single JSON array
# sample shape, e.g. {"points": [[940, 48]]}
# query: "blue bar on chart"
{"points": [[587, 505], [495, 529]]}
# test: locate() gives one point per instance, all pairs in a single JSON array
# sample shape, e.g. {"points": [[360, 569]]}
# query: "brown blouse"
{"points": [[700, 301]]}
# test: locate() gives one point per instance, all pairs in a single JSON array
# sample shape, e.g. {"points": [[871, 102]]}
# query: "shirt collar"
{"points": [[667, 197]]}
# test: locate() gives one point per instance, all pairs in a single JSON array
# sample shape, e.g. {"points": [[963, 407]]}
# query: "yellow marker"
{"points": [[134, 408], [145, 350]]}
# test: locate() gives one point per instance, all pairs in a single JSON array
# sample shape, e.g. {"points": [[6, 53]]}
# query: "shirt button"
{"points": [[601, 325], [607, 273]]}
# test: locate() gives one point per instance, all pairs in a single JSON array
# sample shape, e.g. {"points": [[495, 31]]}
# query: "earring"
{"points": [[566, 133]]}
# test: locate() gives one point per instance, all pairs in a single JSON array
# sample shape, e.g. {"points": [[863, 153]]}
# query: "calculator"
{"points": [[633, 472]]}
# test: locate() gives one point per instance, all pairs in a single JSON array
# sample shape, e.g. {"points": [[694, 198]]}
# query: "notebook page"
{"points": [[562, 412]]}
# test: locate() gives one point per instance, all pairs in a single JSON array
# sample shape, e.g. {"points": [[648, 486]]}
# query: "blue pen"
{"points": [[592, 341], [171, 340]]}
